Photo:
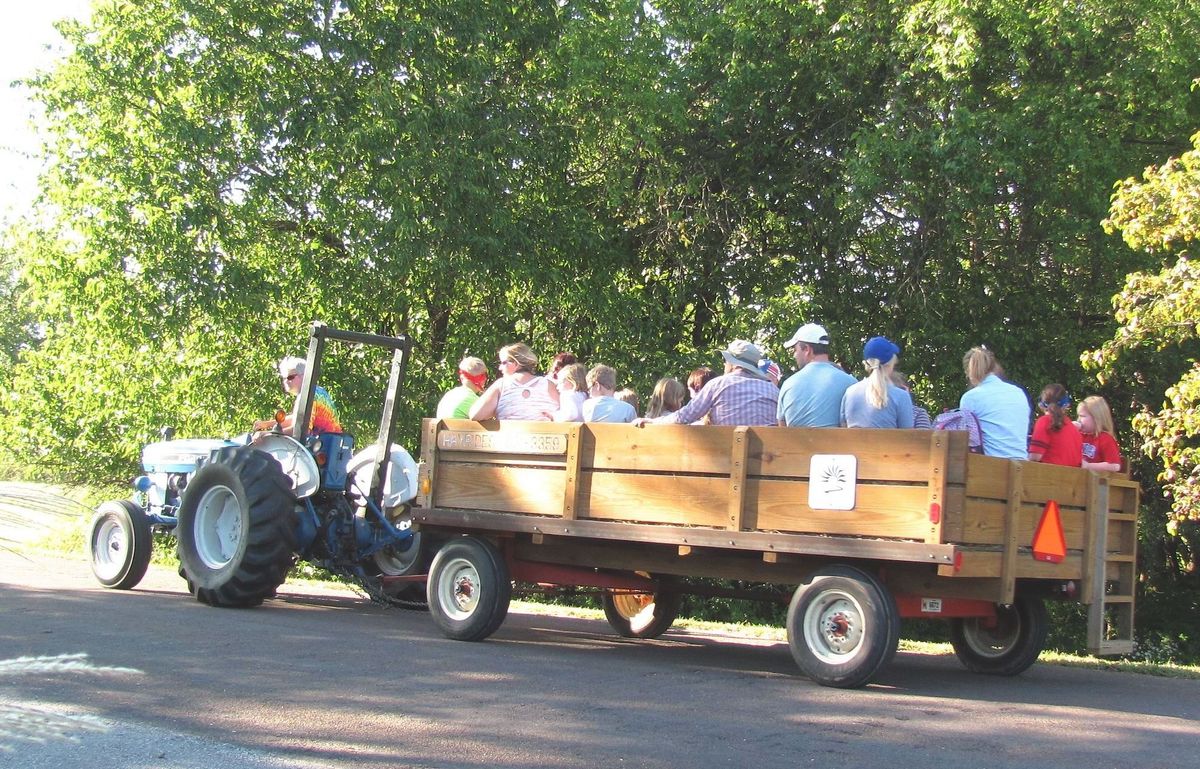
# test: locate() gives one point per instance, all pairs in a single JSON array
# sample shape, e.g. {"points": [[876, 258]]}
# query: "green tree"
{"points": [[1158, 313]]}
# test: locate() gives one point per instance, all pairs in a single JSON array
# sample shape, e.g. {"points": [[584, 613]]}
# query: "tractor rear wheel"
{"points": [[236, 528]]}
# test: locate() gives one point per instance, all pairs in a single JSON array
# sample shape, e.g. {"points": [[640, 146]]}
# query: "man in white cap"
{"points": [[812, 397], [742, 396]]}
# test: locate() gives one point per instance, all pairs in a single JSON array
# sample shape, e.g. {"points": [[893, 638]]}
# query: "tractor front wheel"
{"points": [[119, 544]]}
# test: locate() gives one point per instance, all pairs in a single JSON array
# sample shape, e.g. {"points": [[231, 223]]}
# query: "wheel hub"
{"points": [[218, 527], [834, 628]]}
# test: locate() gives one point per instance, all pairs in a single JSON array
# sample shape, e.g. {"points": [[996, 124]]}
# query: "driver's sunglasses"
{"points": [[290, 377]]}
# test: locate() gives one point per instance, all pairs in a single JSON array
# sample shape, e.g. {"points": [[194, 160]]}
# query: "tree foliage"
{"points": [[1159, 313], [635, 182]]}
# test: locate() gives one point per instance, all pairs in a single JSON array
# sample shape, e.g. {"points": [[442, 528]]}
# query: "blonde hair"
{"points": [[978, 363], [576, 374], [1097, 407], [667, 397], [602, 375], [472, 365], [879, 377], [521, 355]]}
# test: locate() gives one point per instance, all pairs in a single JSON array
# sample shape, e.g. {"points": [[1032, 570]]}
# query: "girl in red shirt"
{"points": [[1100, 451], [1055, 440]]}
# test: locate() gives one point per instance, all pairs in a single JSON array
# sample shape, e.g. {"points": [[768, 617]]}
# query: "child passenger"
{"points": [[572, 392], [1100, 450], [456, 404], [602, 406], [1055, 440], [667, 398]]}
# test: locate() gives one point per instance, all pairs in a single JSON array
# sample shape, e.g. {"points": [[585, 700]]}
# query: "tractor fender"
{"points": [[296, 460], [400, 475]]}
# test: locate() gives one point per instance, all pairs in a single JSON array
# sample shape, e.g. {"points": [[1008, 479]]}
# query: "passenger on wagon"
{"points": [[812, 397], [874, 401], [601, 406], [456, 404], [572, 392], [1100, 450], [1055, 440], [1000, 406], [518, 393], [742, 396]]}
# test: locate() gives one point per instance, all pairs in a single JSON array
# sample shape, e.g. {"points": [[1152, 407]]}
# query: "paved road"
{"points": [[317, 679]]}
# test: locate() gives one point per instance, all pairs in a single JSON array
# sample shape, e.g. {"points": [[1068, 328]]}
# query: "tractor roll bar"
{"points": [[401, 347]]}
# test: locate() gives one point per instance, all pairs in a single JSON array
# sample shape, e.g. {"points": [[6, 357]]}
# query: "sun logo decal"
{"points": [[832, 479]]}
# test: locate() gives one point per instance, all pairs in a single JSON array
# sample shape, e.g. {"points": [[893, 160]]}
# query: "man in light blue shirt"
{"points": [[1002, 407], [812, 397]]}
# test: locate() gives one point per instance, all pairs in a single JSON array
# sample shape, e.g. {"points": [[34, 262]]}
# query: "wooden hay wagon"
{"points": [[870, 526]]}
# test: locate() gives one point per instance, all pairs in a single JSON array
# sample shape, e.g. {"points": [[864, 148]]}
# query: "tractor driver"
{"points": [[324, 413]]}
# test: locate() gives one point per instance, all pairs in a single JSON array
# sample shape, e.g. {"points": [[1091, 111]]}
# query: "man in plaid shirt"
{"points": [[743, 396]]}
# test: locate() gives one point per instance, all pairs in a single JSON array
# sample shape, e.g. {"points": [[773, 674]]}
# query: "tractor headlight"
{"points": [[142, 483]]}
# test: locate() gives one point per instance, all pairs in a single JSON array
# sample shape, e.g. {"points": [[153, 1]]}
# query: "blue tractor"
{"points": [[244, 510]]}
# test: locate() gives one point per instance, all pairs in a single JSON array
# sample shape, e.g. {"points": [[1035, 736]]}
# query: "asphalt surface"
{"points": [[151, 678]]}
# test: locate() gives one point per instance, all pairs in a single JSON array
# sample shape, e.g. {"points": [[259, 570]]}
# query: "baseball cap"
{"points": [[809, 333]]}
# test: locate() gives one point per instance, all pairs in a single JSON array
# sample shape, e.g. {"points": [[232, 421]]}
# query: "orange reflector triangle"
{"points": [[1049, 544]]}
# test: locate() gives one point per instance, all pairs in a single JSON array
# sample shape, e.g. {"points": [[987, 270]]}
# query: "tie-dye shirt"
{"points": [[324, 413]]}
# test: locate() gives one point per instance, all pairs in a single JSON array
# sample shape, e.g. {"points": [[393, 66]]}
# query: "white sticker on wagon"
{"points": [[831, 481], [931, 605], [502, 443]]}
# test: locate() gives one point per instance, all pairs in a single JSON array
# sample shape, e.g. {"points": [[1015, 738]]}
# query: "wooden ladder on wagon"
{"points": [[1110, 579]]}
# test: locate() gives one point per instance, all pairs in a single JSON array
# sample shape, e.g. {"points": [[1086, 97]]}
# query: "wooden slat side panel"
{"points": [[977, 564], [883, 455], [675, 499], [988, 477], [953, 512], [508, 489], [880, 511], [984, 523], [658, 448], [956, 467]]}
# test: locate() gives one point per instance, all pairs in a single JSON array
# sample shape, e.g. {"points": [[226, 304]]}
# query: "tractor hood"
{"points": [[180, 456]]}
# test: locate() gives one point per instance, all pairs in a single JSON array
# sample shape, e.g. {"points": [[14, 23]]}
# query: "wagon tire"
{"points": [[641, 615], [236, 528], [1006, 647], [469, 589], [120, 544], [843, 627]]}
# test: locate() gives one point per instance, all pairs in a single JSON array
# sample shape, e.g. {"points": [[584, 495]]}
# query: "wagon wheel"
{"points": [[641, 615], [1005, 646], [469, 589], [843, 627]]}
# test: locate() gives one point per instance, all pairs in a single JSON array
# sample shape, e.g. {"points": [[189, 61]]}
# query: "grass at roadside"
{"points": [[67, 535]]}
